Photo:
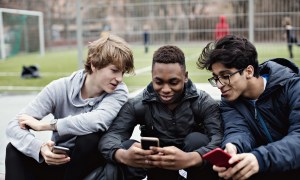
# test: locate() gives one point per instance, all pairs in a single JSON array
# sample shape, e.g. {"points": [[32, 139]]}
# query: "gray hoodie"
{"points": [[76, 116]]}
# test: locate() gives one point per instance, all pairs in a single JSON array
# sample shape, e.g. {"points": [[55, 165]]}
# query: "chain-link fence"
{"points": [[163, 21]]}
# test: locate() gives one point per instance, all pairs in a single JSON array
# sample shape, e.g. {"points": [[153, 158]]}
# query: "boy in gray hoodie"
{"points": [[83, 106]]}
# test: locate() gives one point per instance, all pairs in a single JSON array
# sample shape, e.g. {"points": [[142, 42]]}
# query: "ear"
{"points": [[186, 76], [249, 71], [93, 68]]}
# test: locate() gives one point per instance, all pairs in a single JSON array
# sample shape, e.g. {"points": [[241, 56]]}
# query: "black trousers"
{"points": [[289, 175], [85, 157], [192, 142], [290, 47]]}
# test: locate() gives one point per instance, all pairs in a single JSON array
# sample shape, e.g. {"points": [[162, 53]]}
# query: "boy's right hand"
{"points": [[135, 156], [52, 158]]}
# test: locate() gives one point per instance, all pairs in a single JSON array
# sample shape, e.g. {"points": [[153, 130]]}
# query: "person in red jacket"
{"points": [[222, 28]]}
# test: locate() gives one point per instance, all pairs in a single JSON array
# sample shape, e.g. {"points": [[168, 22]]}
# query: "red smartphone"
{"points": [[218, 157]]}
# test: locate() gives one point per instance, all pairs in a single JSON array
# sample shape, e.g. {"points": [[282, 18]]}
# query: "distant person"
{"points": [[106, 31], [83, 106], [185, 120], [291, 36], [222, 28], [260, 108], [146, 36]]}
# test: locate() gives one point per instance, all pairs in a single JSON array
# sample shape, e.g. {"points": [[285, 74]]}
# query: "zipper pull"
{"points": [[255, 113]]}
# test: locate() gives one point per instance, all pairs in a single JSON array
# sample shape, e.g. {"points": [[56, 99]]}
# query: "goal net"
{"points": [[21, 31]]}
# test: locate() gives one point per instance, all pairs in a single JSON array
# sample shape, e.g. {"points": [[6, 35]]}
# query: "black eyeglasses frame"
{"points": [[214, 80]]}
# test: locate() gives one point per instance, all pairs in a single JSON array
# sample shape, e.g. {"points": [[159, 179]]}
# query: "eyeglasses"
{"points": [[224, 80]]}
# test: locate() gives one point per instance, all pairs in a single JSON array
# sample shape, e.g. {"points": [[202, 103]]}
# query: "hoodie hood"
{"points": [[76, 82], [222, 19]]}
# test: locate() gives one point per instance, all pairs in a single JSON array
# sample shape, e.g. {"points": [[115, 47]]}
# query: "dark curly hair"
{"points": [[232, 51], [169, 54]]}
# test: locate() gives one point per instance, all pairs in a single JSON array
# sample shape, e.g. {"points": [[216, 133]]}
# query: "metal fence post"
{"points": [[251, 20], [79, 34]]}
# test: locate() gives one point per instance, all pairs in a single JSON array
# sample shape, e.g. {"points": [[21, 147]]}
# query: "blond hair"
{"points": [[109, 49]]}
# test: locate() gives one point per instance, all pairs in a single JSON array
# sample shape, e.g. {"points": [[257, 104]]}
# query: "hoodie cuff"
{"points": [[36, 150]]}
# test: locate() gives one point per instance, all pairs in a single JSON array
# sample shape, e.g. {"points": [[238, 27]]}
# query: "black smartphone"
{"points": [[60, 150], [218, 157], [146, 142]]}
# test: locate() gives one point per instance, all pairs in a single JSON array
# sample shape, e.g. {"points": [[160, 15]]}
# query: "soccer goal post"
{"points": [[21, 30]]}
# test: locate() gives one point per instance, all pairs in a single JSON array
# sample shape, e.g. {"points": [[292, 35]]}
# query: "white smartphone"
{"points": [[146, 142], [60, 150]]}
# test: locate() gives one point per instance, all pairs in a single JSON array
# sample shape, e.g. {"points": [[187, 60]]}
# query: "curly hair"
{"points": [[169, 54]]}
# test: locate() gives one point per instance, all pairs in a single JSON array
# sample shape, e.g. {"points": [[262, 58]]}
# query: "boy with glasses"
{"points": [[260, 108]]}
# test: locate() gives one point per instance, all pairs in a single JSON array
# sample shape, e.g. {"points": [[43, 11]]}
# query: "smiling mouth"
{"points": [[113, 85], [225, 92], [166, 98]]}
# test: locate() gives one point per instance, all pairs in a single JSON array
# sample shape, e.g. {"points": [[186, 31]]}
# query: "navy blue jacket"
{"points": [[279, 105]]}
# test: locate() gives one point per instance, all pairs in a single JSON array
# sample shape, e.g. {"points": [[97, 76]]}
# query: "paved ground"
{"points": [[10, 105]]}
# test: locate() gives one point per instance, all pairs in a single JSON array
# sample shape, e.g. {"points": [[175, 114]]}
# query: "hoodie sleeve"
{"points": [[98, 119], [23, 139], [120, 131]]}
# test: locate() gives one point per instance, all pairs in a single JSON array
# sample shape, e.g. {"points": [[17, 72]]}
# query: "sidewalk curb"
{"points": [[2, 176]]}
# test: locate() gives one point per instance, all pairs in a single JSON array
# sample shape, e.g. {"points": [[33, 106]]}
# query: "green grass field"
{"points": [[59, 63]]}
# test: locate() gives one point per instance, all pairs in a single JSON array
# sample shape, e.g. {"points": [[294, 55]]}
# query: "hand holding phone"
{"points": [[146, 142], [60, 150], [218, 157]]}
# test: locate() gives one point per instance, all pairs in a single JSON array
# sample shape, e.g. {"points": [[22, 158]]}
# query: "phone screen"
{"points": [[60, 150], [146, 142]]}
